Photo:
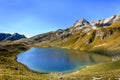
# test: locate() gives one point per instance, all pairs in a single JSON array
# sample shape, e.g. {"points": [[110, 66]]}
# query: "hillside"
{"points": [[82, 35]]}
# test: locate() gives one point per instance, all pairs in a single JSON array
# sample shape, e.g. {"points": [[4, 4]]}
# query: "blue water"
{"points": [[57, 60]]}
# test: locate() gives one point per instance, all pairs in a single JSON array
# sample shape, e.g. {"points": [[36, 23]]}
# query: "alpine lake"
{"points": [[47, 60]]}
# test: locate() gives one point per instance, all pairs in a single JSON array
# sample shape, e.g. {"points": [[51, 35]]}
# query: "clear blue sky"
{"points": [[32, 17]]}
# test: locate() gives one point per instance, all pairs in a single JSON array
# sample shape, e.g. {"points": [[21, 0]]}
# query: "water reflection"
{"points": [[57, 60]]}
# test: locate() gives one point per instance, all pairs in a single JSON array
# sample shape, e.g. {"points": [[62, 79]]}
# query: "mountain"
{"points": [[82, 35], [106, 22], [81, 22], [11, 37]]}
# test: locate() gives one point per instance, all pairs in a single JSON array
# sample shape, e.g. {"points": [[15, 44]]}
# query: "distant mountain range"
{"points": [[11, 37], [81, 35]]}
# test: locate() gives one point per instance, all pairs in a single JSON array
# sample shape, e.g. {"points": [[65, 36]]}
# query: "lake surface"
{"points": [[58, 60]]}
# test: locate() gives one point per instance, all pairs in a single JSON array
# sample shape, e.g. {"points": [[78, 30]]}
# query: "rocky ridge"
{"points": [[11, 37], [82, 35], [106, 22]]}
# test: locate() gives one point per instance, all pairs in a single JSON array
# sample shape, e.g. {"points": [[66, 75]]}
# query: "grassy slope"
{"points": [[107, 70], [12, 70], [109, 38], [102, 37]]}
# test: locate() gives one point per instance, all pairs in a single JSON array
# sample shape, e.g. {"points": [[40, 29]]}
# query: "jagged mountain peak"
{"points": [[117, 15], [11, 37], [15, 34], [81, 22], [106, 21], [117, 18], [112, 19]]}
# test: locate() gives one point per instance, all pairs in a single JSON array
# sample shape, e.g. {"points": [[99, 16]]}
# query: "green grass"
{"points": [[10, 69], [108, 70]]}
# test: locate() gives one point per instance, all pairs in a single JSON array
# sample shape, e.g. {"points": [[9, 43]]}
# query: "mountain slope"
{"points": [[11, 37], [83, 35]]}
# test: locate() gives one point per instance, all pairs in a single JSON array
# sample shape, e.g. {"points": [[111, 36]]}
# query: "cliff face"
{"points": [[83, 35], [11, 37]]}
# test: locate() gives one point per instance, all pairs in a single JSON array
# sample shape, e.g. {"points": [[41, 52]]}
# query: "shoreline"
{"points": [[58, 72]]}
